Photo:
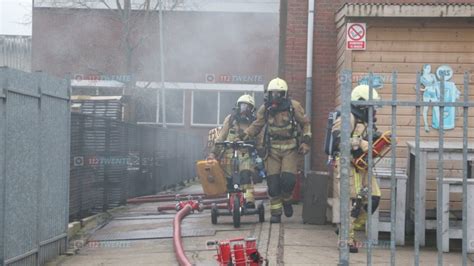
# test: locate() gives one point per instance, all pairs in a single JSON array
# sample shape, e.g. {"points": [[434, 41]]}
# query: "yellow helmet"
{"points": [[246, 98], [277, 84], [361, 93]]}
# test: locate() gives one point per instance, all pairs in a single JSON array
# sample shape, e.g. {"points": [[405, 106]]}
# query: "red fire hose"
{"points": [[178, 245], [173, 207], [169, 197]]}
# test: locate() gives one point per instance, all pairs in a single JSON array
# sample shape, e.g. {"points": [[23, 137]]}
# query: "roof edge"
{"points": [[460, 10]]}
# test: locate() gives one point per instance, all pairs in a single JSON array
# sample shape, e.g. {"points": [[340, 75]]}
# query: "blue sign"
{"points": [[432, 93]]}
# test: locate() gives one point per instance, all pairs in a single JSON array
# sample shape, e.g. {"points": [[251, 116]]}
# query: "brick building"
{"points": [[329, 26], [213, 53], [401, 36], [269, 39]]}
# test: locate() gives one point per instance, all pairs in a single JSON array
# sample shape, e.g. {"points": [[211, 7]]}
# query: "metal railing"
{"points": [[345, 159], [112, 161]]}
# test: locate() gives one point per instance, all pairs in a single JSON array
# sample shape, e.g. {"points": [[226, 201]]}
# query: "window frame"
{"points": [[184, 87], [184, 108], [256, 88], [183, 117]]}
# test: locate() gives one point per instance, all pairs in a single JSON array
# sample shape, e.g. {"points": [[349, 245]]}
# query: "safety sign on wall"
{"points": [[355, 36]]}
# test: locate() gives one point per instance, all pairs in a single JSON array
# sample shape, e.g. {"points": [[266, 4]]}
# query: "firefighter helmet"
{"points": [[277, 84], [246, 98], [361, 93]]}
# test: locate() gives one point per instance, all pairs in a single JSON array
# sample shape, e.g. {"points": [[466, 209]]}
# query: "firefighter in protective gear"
{"points": [[281, 119], [233, 127], [358, 178]]}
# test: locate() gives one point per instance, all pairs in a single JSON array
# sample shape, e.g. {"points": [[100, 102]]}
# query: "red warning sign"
{"points": [[355, 36]]}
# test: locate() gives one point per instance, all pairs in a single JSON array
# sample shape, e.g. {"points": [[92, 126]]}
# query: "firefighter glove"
{"points": [[357, 153], [306, 139], [242, 136], [356, 207], [304, 148]]}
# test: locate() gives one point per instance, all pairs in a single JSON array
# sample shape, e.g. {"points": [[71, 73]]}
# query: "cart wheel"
{"points": [[236, 212], [261, 213], [214, 214]]}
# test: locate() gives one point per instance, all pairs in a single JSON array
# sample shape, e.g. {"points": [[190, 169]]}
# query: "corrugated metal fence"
{"points": [[112, 161], [15, 52], [34, 175]]}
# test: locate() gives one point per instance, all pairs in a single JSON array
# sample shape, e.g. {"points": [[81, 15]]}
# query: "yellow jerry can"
{"points": [[212, 177]]}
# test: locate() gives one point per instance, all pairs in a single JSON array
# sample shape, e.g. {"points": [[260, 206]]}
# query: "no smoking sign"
{"points": [[355, 36]]}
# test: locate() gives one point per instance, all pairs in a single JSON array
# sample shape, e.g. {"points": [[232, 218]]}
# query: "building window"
{"points": [[146, 106], [174, 107], [227, 102], [210, 108], [205, 104]]}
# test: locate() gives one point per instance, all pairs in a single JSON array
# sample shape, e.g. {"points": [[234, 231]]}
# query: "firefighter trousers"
{"points": [[281, 166], [358, 180], [246, 172]]}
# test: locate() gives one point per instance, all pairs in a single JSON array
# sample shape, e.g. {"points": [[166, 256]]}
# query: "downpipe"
{"points": [[309, 77]]}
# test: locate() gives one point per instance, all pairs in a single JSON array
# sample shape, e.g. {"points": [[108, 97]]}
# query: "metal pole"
{"points": [[282, 37], [393, 181], [465, 241], [162, 67], [417, 173], [105, 182], [369, 177], [439, 203], [344, 168], [3, 174], [309, 76]]}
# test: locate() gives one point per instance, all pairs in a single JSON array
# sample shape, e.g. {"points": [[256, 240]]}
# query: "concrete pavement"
{"points": [[138, 235]]}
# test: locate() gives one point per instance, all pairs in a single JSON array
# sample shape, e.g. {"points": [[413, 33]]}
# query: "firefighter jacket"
{"points": [[358, 136], [231, 130], [282, 126]]}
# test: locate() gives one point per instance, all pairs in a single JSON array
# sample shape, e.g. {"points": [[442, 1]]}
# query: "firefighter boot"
{"points": [[249, 196], [275, 210], [250, 205], [288, 209], [273, 183], [288, 181], [352, 242], [275, 219], [353, 248]]}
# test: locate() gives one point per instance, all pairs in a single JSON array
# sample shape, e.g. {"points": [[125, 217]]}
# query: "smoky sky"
{"points": [[196, 43], [15, 17]]}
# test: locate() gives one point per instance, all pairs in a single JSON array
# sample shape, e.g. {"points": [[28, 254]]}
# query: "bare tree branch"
{"points": [[119, 7], [135, 24], [82, 4], [157, 4], [147, 5], [175, 4], [105, 4]]}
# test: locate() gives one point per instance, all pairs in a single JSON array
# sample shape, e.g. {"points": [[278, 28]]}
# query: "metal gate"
{"points": [[34, 170], [441, 151]]}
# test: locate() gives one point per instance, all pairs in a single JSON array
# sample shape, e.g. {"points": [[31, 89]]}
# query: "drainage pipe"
{"points": [[309, 76]]}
